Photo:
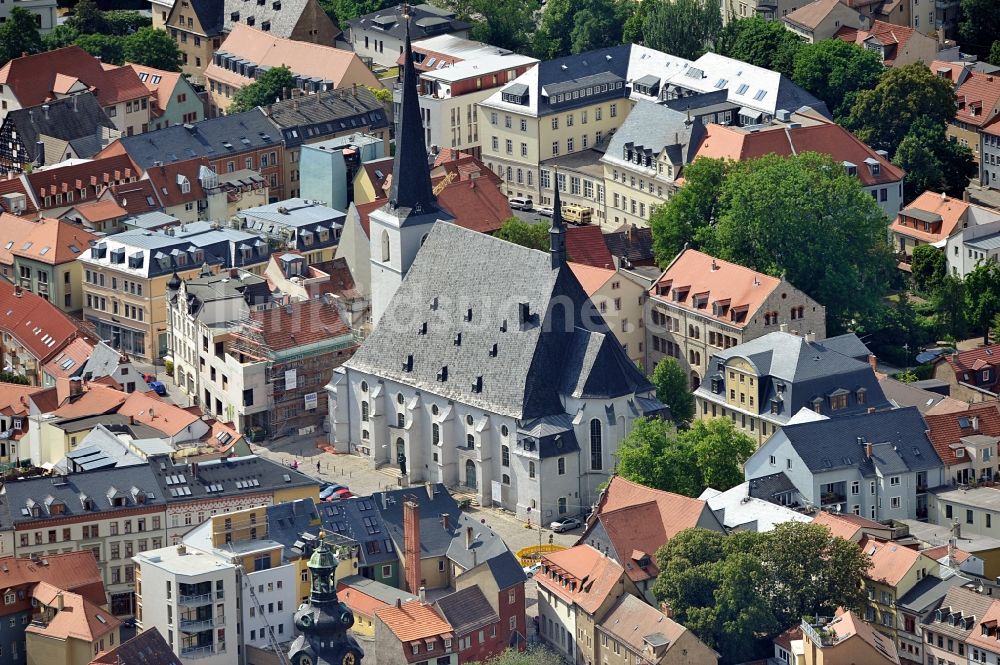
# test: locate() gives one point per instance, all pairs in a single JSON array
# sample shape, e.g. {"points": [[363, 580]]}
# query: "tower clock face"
{"points": [[347, 619], [306, 620], [349, 659]]}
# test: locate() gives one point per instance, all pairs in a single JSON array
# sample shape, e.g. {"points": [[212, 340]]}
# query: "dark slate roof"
{"points": [[552, 435], [702, 103], [507, 570], [146, 648], [358, 519], [634, 244], [651, 128], [411, 181], [533, 361], [232, 476], [795, 372], [899, 439], [100, 487], [484, 544], [288, 521], [467, 610], [327, 113], [573, 72], [203, 139], [103, 361], [434, 538], [210, 15], [427, 20], [848, 344], [71, 119], [928, 591], [770, 486]]}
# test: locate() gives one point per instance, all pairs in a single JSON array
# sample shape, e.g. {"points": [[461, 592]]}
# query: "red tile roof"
{"points": [[893, 37], [588, 576], [366, 209], [824, 137], [413, 621], [98, 172], [586, 244], [36, 79], [476, 204], [163, 88], [590, 278], [148, 409], [100, 211], [41, 327], [373, 169], [965, 361], [19, 185], [68, 362], [890, 561], [168, 189], [12, 231], [846, 525], [135, 197], [77, 619], [76, 572], [307, 323], [729, 284], [54, 242], [95, 400], [950, 210], [978, 93], [945, 430], [461, 166]]}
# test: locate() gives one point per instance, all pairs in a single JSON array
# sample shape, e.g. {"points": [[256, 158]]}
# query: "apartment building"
{"points": [[32, 80], [746, 383], [310, 119], [455, 74], [126, 294], [844, 640], [175, 100], [248, 52], [894, 572], [32, 332], [634, 632], [308, 228], [197, 29], [702, 304], [114, 513], [767, 9], [378, 37], [44, 256], [621, 300], [46, 13], [897, 45], [977, 95]]}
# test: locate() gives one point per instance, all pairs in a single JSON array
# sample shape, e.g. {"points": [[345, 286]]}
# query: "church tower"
{"points": [[397, 229], [557, 233], [323, 622]]}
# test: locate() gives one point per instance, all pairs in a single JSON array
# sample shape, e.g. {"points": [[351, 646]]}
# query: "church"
{"points": [[487, 368]]}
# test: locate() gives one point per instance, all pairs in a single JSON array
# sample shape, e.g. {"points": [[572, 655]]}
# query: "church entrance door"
{"points": [[470, 474]]}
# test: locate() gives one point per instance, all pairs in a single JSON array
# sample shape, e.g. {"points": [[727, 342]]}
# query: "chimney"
{"points": [[423, 595], [715, 266], [868, 450], [974, 421], [354, 89], [411, 544], [430, 490], [399, 603], [952, 544], [446, 521], [45, 111], [873, 361], [468, 537], [810, 337], [59, 602], [194, 469], [17, 291], [783, 327]]}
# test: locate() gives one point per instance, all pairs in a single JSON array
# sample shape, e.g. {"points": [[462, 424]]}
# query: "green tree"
{"points": [[109, 48], [929, 266], [269, 86], [771, 204], [767, 44], [994, 58], [933, 162], [342, 11], [9, 377], [883, 115], [672, 389], [19, 35], [124, 22], [982, 289], [651, 455], [948, 300], [979, 25], [719, 450], [383, 95], [686, 217], [534, 655], [153, 48], [835, 71], [59, 36], [570, 26], [535, 236], [504, 23], [684, 28], [88, 19]]}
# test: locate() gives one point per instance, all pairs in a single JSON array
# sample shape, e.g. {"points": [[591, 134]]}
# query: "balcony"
{"points": [[195, 600], [198, 625], [196, 652], [833, 494]]}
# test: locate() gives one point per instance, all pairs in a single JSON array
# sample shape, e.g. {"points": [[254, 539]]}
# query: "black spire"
{"points": [[411, 178], [557, 234]]}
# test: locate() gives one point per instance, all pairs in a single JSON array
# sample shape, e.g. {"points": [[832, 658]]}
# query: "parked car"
{"points": [[148, 378], [566, 524], [545, 211], [157, 387], [521, 203], [342, 493], [529, 571], [329, 490]]}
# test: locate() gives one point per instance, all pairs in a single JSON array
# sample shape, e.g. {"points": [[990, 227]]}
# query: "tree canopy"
{"points": [[534, 655], [759, 212], [269, 86], [767, 44], [504, 23], [535, 236], [684, 28], [929, 266], [19, 35], [933, 162], [835, 71], [153, 48], [982, 288], [883, 115], [735, 592], [671, 383], [979, 26], [709, 454], [575, 26], [108, 48]]}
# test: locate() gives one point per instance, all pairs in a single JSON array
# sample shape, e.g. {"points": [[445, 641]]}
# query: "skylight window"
{"points": [[45, 250], [760, 95], [742, 90], [156, 79], [74, 249], [721, 83]]}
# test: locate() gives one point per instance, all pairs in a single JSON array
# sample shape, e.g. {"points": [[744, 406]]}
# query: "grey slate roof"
{"points": [[286, 522], [358, 519], [928, 591], [770, 486], [848, 344], [795, 372], [203, 139], [328, 112], [899, 439], [651, 128], [572, 72], [232, 476], [100, 487], [103, 361], [551, 351], [467, 610], [210, 13], [283, 15], [427, 20], [377, 590], [77, 119]]}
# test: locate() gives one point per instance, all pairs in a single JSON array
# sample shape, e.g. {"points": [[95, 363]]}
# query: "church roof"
{"points": [[454, 328]]}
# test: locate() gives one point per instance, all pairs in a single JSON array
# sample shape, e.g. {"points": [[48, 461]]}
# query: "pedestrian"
{"points": [[317, 466]]}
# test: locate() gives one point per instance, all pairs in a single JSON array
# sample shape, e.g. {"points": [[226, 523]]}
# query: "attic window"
{"points": [[234, 17]]}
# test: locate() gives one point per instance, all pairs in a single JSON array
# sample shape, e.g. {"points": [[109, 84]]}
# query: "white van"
{"points": [[521, 203]]}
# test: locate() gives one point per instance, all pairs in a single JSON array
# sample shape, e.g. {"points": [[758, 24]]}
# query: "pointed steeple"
{"points": [[557, 234], [411, 178]]}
